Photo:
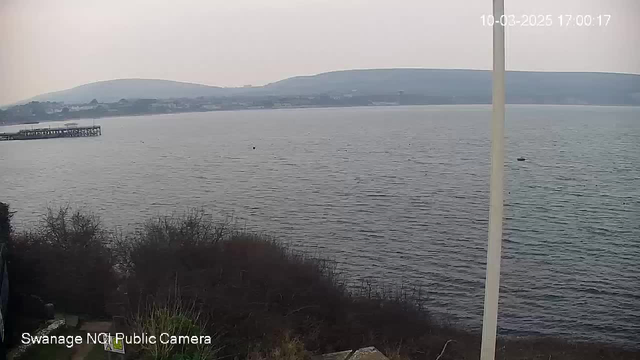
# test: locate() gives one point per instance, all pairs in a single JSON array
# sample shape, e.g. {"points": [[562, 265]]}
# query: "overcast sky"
{"points": [[49, 45]]}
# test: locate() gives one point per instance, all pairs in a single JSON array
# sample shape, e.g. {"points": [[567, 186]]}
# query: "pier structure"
{"points": [[52, 133]]}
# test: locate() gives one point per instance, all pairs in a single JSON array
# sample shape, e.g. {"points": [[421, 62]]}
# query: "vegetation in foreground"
{"points": [[254, 296]]}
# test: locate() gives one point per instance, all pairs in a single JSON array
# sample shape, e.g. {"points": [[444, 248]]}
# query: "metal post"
{"points": [[492, 282]]}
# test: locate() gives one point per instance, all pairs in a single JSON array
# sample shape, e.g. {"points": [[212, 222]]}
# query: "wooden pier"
{"points": [[52, 133]]}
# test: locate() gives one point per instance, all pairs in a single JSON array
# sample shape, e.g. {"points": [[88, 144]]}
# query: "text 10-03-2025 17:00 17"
{"points": [[600, 20]]}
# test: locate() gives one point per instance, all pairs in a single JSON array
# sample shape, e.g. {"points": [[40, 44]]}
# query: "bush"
{"points": [[260, 291], [188, 275], [66, 261], [167, 247]]}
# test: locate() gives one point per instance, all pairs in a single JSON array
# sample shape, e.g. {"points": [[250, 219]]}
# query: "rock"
{"points": [[369, 353], [341, 355]]}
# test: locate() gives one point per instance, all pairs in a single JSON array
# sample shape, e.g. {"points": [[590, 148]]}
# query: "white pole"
{"points": [[492, 282]]}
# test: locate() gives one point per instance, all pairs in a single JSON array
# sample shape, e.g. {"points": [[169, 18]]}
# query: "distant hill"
{"points": [[465, 85], [114, 90], [596, 88]]}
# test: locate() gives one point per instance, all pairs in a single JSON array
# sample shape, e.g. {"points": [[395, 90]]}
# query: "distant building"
{"points": [[384, 103], [164, 106], [81, 107]]}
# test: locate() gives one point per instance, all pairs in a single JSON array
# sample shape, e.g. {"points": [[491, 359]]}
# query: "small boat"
{"points": [[71, 124], [521, 158]]}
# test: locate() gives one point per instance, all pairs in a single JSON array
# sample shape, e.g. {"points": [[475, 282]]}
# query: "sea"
{"points": [[396, 195]]}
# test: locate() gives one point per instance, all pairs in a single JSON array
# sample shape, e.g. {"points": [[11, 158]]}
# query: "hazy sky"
{"points": [[48, 45]]}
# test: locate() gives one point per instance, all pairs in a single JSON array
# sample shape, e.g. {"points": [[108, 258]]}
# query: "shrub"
{"points": [[167, 247], [66, 261], [188, 275], [261, 292]]}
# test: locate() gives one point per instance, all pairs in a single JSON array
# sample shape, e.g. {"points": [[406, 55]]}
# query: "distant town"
{"points": [[364, 87], [35, 111]]}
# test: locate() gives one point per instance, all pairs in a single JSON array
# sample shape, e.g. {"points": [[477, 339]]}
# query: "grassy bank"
{"points": [[256, 298]]}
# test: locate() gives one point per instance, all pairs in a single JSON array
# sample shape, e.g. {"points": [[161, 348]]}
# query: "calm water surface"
{"points": [[399, 194]]}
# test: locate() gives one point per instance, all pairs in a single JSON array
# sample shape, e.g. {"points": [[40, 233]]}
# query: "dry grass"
{"points": [[173, 317]]}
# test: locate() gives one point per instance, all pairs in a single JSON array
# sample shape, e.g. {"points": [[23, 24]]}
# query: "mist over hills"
{"points": [[472, 86]]}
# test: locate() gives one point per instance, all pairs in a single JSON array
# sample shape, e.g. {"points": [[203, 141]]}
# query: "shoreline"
{"points": [[321, 107]]}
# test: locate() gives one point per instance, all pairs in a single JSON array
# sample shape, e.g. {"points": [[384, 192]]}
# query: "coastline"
{"points": [[318, 107]]}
